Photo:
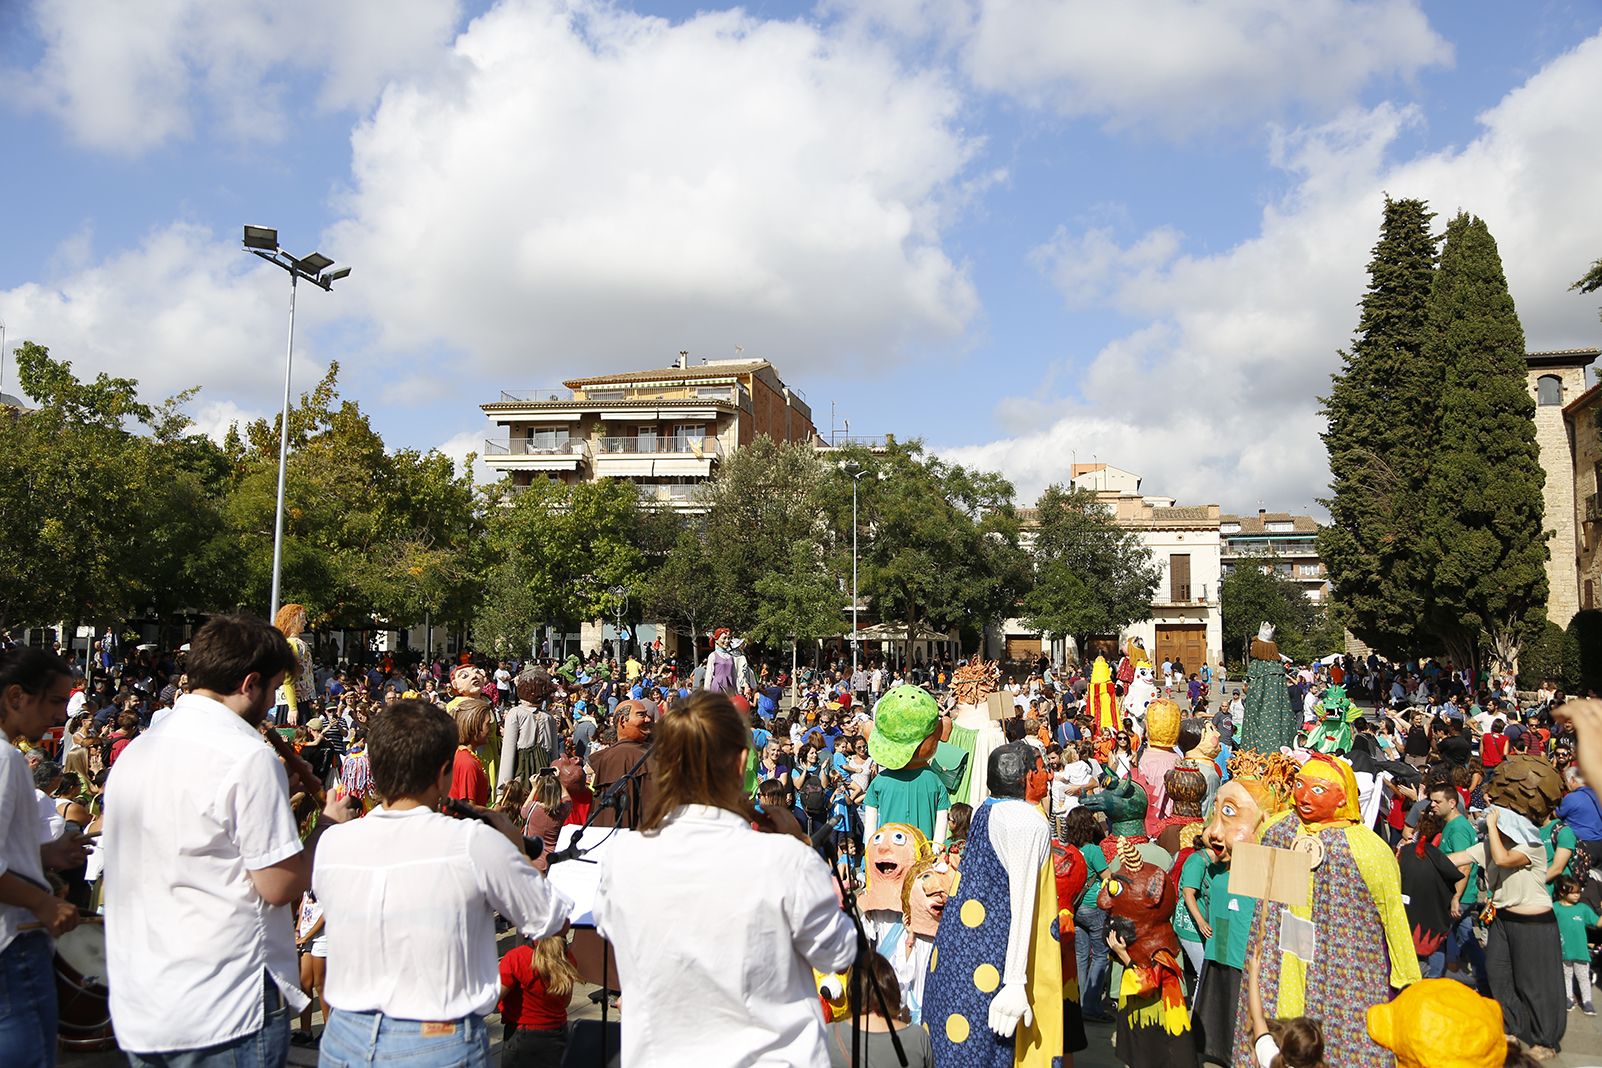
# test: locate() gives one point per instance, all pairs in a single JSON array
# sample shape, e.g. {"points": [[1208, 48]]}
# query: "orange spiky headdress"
{"points": [[975, 680], [1270, 779]]}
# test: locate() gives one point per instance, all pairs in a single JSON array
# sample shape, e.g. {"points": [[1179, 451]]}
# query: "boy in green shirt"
{"points": [[1573, 917]]}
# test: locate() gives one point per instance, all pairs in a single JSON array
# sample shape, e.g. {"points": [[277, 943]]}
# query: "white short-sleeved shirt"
{"points": [[717, 928], [19, 834], [192, 807], [408, 897]]}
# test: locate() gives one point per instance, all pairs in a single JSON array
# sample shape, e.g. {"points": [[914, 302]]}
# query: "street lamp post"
{"points": [[856, 630], [263, 241]]}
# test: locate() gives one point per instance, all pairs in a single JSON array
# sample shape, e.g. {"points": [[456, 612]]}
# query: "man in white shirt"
{"points": [[34, 688], [203, 860], [410, 898]]}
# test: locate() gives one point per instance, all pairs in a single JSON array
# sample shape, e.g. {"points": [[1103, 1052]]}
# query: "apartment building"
{"points": [[663, 429], [1286, 543]]}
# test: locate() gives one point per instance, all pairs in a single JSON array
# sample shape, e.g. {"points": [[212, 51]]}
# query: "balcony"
{"points": [[530, 447], [541, 395], [636, 445], [533, 454]]}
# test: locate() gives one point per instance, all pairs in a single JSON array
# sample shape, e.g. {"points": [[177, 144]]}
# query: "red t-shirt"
{"points": [[524, 1000], [1493, 749], [468, 781]]}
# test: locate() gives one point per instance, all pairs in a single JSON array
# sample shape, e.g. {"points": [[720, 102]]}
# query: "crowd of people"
{"points": [[264, 834]]}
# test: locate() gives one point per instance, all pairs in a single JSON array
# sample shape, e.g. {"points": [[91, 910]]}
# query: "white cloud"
{"points": [[583, 185], [1175, 66], [458, 446], [126, 77], [1214, 398], [181, 309]]}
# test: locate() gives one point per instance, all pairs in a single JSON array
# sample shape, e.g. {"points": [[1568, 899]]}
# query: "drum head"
{"points": [[84, 948]]}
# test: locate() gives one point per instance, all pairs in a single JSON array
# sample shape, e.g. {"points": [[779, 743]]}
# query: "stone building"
{"points": [[1557, 382], [1582, 417]]}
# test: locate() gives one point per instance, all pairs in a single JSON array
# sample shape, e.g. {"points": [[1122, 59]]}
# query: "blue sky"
{"points": [[1026, 231]]}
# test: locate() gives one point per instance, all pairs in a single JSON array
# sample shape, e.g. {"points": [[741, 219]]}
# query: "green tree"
{"points": [[1256, 594], [1542, 657], [798, 599], [1382, 420], [766, 496], [1483, 541], [1591, 281], [938, 543], [1582, 653], [561, 555], [1091, 576], [683, 591]]}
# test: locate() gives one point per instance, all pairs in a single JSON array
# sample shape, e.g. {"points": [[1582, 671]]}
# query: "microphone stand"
{"points": [[860, 973], [613, 798]]}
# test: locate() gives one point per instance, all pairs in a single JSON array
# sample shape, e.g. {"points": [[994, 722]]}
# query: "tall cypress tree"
{"points": [[1483, 539], [1382, 419]]}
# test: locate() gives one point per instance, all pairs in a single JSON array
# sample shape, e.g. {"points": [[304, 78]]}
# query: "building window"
{"points": [[1549, 390], [1179, 576]]}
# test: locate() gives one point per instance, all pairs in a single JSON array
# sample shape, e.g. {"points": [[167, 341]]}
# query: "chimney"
{"points": [[683, 361], [1261, 512]]}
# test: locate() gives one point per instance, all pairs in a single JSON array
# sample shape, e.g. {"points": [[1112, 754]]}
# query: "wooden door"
{"points": [[1185, 642]]}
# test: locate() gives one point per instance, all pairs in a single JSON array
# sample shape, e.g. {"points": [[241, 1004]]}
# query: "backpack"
{"points": [[813, 797]]}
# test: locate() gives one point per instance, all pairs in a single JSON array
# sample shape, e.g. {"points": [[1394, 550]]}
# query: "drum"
{"points": [[84, 1010]]}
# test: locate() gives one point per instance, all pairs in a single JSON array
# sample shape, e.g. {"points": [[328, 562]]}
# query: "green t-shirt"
{"points": [[1231, 917], [1192, 876], [1460, 834], [1558, 835], [1572, 921], [914, 797], [1097, 863]]}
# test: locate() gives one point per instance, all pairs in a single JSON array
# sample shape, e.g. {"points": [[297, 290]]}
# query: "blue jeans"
{"points": [[364, 1039], [28, 1003], [1464, 947], [1090, 952], [1434, 965], [267, 1047]]}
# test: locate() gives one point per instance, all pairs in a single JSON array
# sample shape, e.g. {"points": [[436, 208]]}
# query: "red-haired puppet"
{"points": [[1153, 1024]]}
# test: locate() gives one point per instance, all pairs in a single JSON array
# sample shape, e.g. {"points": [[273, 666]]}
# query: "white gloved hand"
{"points": [[1010, 1005]]}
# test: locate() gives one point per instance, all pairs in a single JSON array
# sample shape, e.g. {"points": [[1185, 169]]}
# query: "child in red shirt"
{"points": [[536, 985]]}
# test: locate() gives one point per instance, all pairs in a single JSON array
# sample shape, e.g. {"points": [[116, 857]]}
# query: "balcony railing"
{"points": [[535, 396], [635, 445], [526, 447], [674, 494]]}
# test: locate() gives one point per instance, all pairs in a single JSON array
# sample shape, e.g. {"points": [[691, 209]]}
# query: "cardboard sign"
{"points": [[1269, 874], [1000, 706]]}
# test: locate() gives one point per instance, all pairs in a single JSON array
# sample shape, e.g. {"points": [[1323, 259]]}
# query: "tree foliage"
{"points": [[1091, 576], [937, 543], [1256, 594], [561, 555], [1382, 420], [1591, 281], [1484, 542]]}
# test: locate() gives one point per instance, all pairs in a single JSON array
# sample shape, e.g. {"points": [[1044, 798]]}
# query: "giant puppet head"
{"points": [[1162, 723], [1010, 768], [1527, 784], [1210, 744], [1440, 1023], [1123, 801], [635, 720], [975, 681], [722, 639], [1326, 792], [906, 728], [534, 686], [1100, 672], [923, 897], [1138, 898], [469, 681], [1259, 787], [1187, 788], [891, 854]]}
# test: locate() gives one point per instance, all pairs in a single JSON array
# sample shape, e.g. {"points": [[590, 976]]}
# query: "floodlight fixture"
{"points": [[262, 237], [315, 264], [334, 276]]}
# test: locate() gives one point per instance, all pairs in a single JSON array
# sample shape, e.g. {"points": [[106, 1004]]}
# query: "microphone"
{"points": [[532, 847]]}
